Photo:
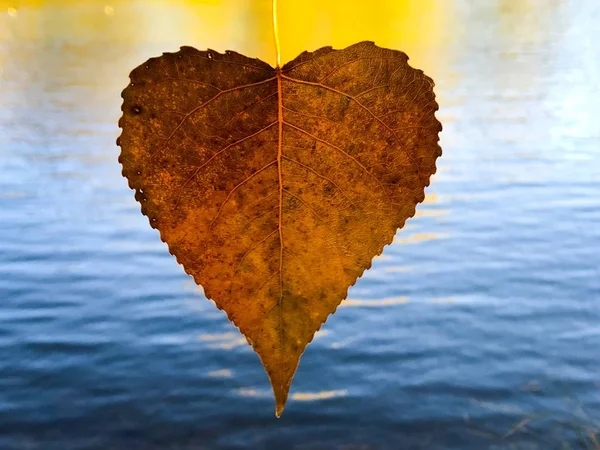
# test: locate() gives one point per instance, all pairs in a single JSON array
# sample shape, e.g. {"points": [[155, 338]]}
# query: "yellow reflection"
{"points": [[223, 373], [320, 333], [190, 285], [223, 341], [430, 198], [298, 396], [418, 237], [375, 303], [245, 26], [340, 344], [389, 302], [212, 337], [431, 212], [398, 269], [322, 395], [249, 392], [408, 25]]}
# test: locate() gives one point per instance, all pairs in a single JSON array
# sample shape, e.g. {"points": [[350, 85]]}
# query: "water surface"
{"points": [[484, 312]]}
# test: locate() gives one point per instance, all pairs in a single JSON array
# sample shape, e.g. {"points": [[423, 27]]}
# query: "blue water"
{"points": [[479, 327]]}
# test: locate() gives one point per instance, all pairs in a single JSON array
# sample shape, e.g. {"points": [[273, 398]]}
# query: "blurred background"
{"points": [[479, 327]]}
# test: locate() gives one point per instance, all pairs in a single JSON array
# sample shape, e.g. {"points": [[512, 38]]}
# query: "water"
{"points": [[484, 313]]}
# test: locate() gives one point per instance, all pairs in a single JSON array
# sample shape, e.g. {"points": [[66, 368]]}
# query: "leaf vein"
{"points": [[221, 151], [239, 185], [204, 104], [262, 241], [335, 147]]}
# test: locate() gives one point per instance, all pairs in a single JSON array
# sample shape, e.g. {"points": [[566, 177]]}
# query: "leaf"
{"points": [[276, 187]]}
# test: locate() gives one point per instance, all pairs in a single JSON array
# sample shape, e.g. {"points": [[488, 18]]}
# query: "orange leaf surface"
{"points": [[276, 187]]}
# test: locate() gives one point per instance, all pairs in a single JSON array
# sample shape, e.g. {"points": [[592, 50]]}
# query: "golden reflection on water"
{"points": [[249, 392], [241, 25], [417, 237], [223, 373], [398, 269], [431, 212], [390, 301], [374, 303], [322, 395], [297, 396], [233, 340], [223, 341]]}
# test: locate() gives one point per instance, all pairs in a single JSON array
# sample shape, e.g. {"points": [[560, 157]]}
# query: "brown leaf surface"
{"points": [[275, 188]]}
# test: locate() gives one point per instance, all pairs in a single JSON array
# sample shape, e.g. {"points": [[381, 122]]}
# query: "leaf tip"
{"points": [[280, 406], [281, 396]]}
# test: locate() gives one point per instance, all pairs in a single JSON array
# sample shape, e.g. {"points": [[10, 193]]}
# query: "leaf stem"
{"points": [[276, 33]]}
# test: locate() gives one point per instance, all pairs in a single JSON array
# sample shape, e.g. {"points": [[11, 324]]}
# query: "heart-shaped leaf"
{"points": [[276, 187]]}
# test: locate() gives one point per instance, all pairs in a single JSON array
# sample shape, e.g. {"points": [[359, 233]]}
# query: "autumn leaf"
{"points": [[276, 187]]}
